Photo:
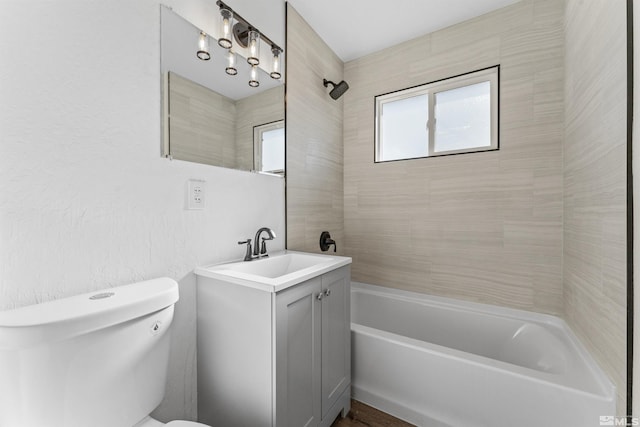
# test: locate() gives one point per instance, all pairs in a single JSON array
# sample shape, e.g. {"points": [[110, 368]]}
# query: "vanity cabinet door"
{"points": [[298, 341], [336, 336]]}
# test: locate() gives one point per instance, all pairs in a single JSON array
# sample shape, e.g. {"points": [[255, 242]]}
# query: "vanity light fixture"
{"points": [[226, 20], [254, 82], [231, 63], [234, 26], [203, 47], [275, 65]]}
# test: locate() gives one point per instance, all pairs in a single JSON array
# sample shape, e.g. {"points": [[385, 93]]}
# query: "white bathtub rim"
{"points": [[607, 387]]}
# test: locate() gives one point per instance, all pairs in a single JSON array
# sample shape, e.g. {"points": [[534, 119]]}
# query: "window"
{"points": [[268, 143], [450, 116]]}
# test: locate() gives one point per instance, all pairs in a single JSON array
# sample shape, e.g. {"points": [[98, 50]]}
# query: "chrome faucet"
{"points": [[258, 251], [263, 247]]}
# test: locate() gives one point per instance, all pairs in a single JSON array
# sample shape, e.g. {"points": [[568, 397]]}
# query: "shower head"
{"points": [[338, 89]]}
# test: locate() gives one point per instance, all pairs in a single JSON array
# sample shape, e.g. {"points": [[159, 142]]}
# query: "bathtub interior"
{"points": [[526, 343]]}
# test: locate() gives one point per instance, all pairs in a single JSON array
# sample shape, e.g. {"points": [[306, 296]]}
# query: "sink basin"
{"points": [[277, 266], [276, 272]]}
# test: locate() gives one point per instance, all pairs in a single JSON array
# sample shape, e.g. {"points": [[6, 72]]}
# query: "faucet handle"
{"points": [[263, 246], [248, 255]]}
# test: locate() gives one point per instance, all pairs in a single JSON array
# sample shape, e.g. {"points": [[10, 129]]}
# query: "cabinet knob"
{"points": [[327, 292], [320, 296]]}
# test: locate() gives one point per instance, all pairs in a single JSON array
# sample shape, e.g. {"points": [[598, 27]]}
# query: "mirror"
{"points": [[212, 117]]}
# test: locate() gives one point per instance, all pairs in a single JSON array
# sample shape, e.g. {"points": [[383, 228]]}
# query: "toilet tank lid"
{"points": [[112, 305]]}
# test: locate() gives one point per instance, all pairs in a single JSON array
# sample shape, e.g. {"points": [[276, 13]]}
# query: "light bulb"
{"points": [[275, 65], [253, 44], [231, 63], [203, 47], [253, 82], [226, 18]]}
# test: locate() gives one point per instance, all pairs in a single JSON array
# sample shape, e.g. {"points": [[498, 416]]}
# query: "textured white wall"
{"points": [[86, 201]]}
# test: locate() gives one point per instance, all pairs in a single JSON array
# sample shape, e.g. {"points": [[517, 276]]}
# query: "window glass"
{"points": [[273, 150], [463, 118], [449, 116], [268, 140], [403, 125]]}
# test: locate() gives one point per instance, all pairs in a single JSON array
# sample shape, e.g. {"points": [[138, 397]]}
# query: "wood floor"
{"points": [[362, 415]]}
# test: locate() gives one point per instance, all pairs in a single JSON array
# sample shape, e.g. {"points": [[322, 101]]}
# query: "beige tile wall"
{"points": [[485, 226], [201, 124], [265, 107], [595, 182], [314, 140], [206, 127]]}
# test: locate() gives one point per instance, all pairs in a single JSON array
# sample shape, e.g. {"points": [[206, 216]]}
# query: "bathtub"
{"points": [[439, 362]]}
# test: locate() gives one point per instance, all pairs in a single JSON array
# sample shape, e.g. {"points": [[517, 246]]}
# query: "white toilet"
{"points": [[93, 360]]}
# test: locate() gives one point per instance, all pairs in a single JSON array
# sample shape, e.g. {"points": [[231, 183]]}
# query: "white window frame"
{"points": [[257, 145], [491, 74]]}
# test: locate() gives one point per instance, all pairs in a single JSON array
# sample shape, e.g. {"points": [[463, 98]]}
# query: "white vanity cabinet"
{"points": [[276, 359], [313, 350]]}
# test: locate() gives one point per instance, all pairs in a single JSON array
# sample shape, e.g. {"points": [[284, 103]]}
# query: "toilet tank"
{"points": [[97, 359]]}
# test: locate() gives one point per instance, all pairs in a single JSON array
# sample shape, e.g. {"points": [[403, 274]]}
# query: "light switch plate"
{"points": [[195, 194]]}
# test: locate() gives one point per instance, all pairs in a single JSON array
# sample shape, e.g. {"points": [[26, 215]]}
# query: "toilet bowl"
{"points": [[99, 359]]}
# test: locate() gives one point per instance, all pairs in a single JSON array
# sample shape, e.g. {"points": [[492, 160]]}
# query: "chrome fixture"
{"points": [[259, 249], [338, 89]]}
